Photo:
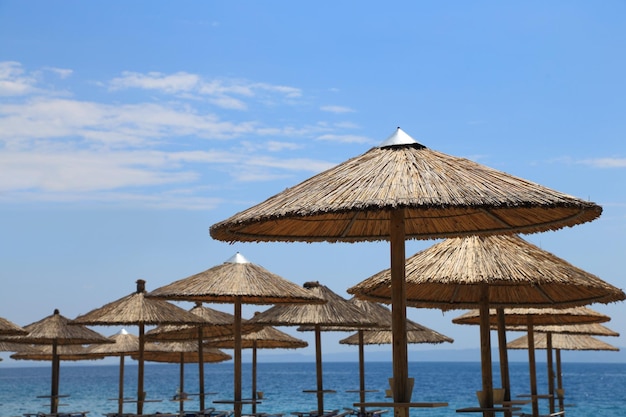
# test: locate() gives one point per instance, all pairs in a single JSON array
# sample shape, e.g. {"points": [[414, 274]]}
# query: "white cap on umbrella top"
{"points": [[237, 259], [399, 137]]}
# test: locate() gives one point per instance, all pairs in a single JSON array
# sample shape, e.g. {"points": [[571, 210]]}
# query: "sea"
{"points": [[591, 389]]}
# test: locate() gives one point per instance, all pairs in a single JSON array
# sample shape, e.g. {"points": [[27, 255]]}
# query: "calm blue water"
{"points": [[594, 389]]}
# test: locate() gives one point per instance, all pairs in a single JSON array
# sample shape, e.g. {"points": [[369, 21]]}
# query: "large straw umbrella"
{"points": [[55, 330], [479, 271], [216, 324], [529, 317], [124, 344], [398, 190], [181, 353], [137, 309], [335, 314], [236, 281], [266, 338]]}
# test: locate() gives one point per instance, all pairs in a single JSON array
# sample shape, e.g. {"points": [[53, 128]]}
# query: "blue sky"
{"points": [[128, 128]]}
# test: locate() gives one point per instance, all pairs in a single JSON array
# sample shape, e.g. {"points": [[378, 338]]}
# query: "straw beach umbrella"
{"points": [[137, 309], [266, 338], [216, 323], [529, 317], [55, 330], [484, 271], [404, 190], [335, 314], [8, 328], [236, 281], [182, 352], [123, 344]]}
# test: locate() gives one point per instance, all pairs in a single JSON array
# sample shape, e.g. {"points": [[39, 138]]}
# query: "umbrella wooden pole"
{"points": [[254, 377], [318, 370], [504, 357], [400, 387], [550, 370], [120, 392], [54, 390], [532, 365], [181, 394], [361, 371], [237, 356], [140, 393], [201, 368], [559, 380], [485, 351]]}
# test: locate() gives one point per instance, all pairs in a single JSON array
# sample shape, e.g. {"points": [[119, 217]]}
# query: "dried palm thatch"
{"points": [[540, 316], [402, 190], [137, 309], [449, 275], [441, 195], [16, 347], [235, 279], [65, 353], [563, 342], [8, 328]]}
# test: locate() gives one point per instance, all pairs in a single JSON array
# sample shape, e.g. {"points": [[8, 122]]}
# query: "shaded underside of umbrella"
{"points": [[384, 337], [8, 328], [540, 316], [563, 342], [175, 352], [450, 274], [592, 329], [65, 353], [216, 324], [441, 195], [335, 314]]}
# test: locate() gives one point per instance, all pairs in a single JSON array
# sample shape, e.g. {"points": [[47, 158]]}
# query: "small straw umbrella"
{"points": [[236, 281], [8, 328], [561, 341], [137, 309], [335, 314], [55, 330], [266, 338], [530, 317], [182, 352], [124, 344], [404, 190], [499, 270], [216, 323]]}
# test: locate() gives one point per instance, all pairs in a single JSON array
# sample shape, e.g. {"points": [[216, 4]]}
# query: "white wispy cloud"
{"points": [[610, 162], [336, 109], [14, 81], [345, 138]]}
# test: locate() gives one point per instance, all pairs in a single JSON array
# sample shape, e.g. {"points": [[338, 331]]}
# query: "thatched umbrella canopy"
{"points": [[591, 329], [267, 337], [182, 352], [64, 353], [236, 281], [8, 328], [216, 323], [335, 314], [531, 316], [56, 330], [484, 271], [402, 189], [137, 309], [123, 344]]}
